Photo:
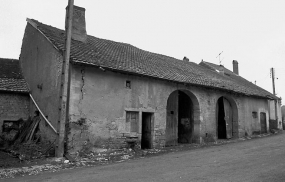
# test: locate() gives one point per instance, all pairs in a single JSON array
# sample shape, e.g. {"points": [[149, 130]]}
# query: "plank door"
{"points": [[263, 122], [228, 118], [171, 133]]}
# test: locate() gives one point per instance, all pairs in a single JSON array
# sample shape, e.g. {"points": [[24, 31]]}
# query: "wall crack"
{"points": [[82, 91]]}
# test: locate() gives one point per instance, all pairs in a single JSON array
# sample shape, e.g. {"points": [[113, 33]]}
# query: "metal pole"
{"points": [[63, 110]]}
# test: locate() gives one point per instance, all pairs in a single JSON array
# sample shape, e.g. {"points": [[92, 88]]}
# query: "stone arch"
{"points": [[182, 118], [227, 118]]}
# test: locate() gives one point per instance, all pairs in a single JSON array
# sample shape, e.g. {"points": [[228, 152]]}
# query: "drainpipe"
{"points": [[63, 110]]}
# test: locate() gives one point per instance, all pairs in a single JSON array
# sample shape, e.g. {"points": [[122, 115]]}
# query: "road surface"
{"points": [[261, 159]]}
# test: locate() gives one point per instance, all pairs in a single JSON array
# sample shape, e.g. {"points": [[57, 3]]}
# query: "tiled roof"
{"points": [[238, 79], [127, 58], [11, 78]]}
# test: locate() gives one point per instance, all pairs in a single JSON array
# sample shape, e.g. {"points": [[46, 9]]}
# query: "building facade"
{"points": [[119, 93]]}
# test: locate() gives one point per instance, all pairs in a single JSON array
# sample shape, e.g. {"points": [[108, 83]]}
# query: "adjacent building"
{"points": [[14, 95]]}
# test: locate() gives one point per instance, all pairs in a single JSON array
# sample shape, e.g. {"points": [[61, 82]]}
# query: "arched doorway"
{"points": [[180, 118], [227, 121]]}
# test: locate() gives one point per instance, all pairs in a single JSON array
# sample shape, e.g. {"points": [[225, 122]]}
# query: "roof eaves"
{"points": [[130, 72], [159, 78], [14, 91]]}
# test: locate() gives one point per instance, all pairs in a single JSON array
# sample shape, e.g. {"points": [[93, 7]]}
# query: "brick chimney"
{"points": [[78, 24], [235, 67]]}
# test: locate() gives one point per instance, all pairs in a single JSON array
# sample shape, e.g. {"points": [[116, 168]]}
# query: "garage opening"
{"points": [[180, 119], [185, 118], [224, 119], [146, 141], [222, 130]]}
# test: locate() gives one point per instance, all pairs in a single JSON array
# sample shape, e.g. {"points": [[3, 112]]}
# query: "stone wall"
{"points": [[100, 99], [41, 65], [13, 107]]}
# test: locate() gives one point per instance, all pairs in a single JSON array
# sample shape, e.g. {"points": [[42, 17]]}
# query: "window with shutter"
{"points": [[132, 121]]}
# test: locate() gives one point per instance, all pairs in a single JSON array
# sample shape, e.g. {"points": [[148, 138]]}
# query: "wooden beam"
{"points": [[43, 114]]}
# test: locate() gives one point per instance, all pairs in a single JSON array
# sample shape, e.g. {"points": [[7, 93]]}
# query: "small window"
{"points": [[132, 120], [12, 125], [128, 84], [254, 114]]}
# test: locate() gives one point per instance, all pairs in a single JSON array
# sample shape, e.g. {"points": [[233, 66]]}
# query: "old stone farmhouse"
{"points": [[118, 92], [14, 96]]}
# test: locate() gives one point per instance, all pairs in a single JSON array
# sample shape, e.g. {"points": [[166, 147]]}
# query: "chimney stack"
{"points": [[221, 70], [235, 67], [186, 59], [78, 24]]}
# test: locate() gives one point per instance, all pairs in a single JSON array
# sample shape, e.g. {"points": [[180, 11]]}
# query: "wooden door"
{"points": [[171, 135], [228, 118], [263, 122]]}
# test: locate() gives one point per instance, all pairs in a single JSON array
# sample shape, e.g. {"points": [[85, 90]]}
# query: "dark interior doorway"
{"points": [[225, 119], [263, 126], [146, 130], [185, 118], [180, 119], [222, 131]]}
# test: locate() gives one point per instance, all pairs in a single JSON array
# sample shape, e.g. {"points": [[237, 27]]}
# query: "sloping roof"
{"points": [[11, 78], [127, 58], [215, 67], [238, 79]]}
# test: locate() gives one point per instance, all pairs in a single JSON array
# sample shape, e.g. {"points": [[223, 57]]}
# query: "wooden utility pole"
{"points": [[273, 80], [275, 101], [63, 110]]}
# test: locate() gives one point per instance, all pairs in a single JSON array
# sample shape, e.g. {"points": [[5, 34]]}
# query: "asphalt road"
{"points": [[261, 159]]}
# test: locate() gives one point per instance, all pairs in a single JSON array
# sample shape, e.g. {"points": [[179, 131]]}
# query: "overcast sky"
{"points": [[249, 31]]}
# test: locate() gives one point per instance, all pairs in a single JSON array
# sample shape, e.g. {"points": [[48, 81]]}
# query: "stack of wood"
{"points": [[27, 131]]}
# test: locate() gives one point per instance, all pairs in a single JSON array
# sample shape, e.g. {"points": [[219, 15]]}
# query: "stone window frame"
{"points": [[140, 111], [132, 121]]}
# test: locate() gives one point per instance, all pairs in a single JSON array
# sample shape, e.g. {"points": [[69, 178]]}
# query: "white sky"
{"points": [[249, 31]]}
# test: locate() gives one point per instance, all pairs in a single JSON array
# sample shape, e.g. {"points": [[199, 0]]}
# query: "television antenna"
{"points": [[219, 55]]}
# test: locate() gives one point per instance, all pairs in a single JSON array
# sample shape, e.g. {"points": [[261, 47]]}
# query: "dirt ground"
{"points": [[7, 161], [12, 167], [253, 160]]}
